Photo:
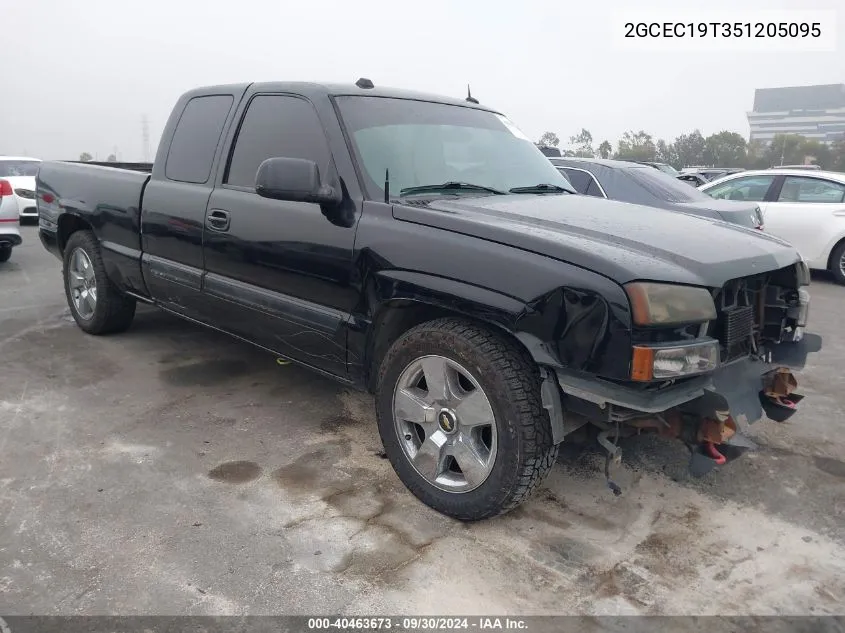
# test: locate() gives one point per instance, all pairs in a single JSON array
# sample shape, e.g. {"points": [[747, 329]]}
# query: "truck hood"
{"points": [[624, 242], [742, 213]]}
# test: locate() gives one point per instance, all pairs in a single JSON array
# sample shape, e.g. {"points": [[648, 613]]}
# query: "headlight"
{"points": [[661, 362], [668, 304]]}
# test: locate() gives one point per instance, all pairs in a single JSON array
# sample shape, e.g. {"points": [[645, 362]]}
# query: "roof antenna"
{"points": [[364, 83], [386, 186], [470, 98]]}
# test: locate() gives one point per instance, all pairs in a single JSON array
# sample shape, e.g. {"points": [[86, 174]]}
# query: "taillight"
{"points": [[5, 188], [47, 197]]}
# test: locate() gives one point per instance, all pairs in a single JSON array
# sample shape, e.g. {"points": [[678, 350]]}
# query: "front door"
{"points": [[279, 273]]}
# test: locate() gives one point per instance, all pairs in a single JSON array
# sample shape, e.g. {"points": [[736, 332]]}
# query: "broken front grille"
{"points": [[752, 311]]}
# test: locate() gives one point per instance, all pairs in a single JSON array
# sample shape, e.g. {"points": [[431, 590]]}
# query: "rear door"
{"points": [[174, 201], [279, 273], [801, 211]]}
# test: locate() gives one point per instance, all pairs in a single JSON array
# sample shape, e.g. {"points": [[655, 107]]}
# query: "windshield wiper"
{"points": [[449, 186], [541, 188]]}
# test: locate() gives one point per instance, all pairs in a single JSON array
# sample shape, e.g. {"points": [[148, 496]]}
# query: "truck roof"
{"points": [[316, 89]]}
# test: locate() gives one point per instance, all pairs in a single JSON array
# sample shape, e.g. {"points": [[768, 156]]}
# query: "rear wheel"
{"points": [[5, 253], [98, 307], [461, 419], [837, 263]]}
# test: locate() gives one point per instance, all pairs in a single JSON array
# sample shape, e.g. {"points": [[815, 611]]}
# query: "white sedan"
{"points": [[805, 208]]}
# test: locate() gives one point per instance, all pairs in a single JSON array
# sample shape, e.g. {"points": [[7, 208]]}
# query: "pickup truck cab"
{"points": [[424, 249]]}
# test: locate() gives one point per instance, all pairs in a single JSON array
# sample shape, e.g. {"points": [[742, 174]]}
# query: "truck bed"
{"points": [[108, 199]]}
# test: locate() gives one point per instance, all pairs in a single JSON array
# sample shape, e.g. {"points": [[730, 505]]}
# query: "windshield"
{"points": [[423, 143], [664, 186], [14, 168]]}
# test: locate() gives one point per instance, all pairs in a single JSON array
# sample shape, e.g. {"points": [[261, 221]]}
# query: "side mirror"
{"points": [[295, 180]]}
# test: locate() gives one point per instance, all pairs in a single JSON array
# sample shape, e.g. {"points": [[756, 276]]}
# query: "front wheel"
{"points": [[461, 419], [98, 307], [5, 253]]}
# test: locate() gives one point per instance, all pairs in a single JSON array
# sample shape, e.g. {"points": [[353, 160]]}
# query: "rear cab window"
{"points": [[196, 137]]}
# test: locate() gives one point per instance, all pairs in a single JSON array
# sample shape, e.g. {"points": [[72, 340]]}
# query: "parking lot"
{"points": [[173, 470]]}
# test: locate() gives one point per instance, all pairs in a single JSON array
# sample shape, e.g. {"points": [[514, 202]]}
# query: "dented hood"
{"points": [[622, 241]]}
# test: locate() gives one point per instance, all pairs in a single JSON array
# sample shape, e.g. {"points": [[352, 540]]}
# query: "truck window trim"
{"points": [[226, 158]]}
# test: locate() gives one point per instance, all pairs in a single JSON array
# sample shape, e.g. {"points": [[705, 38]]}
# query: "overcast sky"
{"points": [[80, 75]]}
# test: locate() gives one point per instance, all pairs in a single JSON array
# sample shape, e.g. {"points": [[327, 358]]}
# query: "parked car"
{"points": [[804, 207], [20, 172], [425, 249], [640, 184], [10, 235]]}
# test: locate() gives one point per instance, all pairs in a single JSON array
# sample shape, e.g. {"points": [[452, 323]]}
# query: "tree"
{"points": [[786, 149], [665, 152], [814, 151], [756, 155], [636, 146], [583, 142], [85, 157], [689, 149], [725, 149], [549, 139], [605, 149], [111, 159]]}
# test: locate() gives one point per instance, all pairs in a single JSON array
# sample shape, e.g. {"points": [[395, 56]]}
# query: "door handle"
{"points": [[217, 220]]}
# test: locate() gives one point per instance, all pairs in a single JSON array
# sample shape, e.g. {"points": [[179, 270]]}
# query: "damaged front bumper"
{"points": [[705, 411], [736, 394], [735, 387]]}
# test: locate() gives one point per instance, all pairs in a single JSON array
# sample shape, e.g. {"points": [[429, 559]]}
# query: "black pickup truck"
{"points": [[424, 249]]}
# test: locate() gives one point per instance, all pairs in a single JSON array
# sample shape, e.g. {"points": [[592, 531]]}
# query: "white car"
{"points": [[20, 172], [804, 207], [10, 235]]}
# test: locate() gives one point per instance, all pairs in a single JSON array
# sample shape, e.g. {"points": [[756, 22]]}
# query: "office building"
{"points": [[816, 112]]}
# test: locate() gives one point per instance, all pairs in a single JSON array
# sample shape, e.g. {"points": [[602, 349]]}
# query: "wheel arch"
{"points": [[833, 248], [401, 300], [68, 224]]}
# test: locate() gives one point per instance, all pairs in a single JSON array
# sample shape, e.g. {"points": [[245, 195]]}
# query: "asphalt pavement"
{"points": [[173, 470]]}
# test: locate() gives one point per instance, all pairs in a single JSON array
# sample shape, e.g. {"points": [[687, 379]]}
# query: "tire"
{"points": [[837, 263], [110, 311], [518, 451], [5, 253]]}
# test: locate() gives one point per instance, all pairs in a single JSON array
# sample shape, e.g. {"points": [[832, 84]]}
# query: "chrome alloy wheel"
{"points": [[82, 283], [445, 424]]}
